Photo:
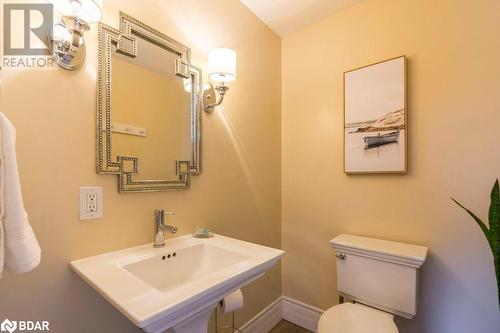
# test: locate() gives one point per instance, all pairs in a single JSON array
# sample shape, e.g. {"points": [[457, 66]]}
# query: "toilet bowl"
{"points": [[356, 318], [380, 277]]}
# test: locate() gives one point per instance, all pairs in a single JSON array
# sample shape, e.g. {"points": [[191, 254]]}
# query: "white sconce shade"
{"points": [[222, 65], [85, 10]]}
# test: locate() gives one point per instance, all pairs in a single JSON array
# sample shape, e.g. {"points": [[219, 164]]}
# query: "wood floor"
{"points": [[287, 327]]}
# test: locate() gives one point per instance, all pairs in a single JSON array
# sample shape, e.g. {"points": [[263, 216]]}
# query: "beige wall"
{"points": [[453, 50], [454, 111], [238, 194]]}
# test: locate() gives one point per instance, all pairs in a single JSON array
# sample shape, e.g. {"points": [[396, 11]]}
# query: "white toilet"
{"points": [[380, 277]]}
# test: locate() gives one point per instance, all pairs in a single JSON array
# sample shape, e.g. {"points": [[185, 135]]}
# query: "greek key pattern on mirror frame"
{"points": [[125, 43]]}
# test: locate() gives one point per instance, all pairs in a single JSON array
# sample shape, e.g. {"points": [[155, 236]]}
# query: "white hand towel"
{"points": [[19, 249]]}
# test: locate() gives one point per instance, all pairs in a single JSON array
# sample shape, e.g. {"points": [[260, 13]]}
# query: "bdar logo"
{"points": [[8, 326]]}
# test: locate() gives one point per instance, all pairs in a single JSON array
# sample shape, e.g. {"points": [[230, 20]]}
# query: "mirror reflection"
{"points": [[151, 117]]}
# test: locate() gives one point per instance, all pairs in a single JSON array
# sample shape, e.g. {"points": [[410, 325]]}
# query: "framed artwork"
{"points": [[375, 118]]}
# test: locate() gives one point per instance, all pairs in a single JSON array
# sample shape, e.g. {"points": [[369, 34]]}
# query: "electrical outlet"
{"points": [[91, 203]]}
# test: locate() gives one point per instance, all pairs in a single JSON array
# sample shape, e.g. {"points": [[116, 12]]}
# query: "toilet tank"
{"points": [[379, 273]]}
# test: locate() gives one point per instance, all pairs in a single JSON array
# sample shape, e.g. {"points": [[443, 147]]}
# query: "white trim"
{"points": [[301, 314], [265, 320]]}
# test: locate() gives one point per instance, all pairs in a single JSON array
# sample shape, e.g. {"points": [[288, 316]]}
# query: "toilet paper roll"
{"points": [[232, 302]]}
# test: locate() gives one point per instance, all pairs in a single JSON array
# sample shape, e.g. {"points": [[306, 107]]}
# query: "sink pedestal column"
{"points": [[196, 324]]}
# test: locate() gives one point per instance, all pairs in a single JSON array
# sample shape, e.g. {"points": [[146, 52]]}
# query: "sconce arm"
{"points": [[221, 90]]}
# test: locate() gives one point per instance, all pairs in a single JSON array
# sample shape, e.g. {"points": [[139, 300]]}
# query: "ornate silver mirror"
{"points": [[148, 109]]}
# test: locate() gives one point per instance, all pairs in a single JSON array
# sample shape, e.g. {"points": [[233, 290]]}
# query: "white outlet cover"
{"points": [[85, 213]]}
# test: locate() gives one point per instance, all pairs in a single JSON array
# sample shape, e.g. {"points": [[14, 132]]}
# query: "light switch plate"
{"points": [[91, 203]]}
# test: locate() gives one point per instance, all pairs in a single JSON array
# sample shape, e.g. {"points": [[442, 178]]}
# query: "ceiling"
{"points": [[287, 16]]}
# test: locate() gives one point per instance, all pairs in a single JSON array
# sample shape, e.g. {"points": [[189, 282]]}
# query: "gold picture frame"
{"points": [[375, 112]]}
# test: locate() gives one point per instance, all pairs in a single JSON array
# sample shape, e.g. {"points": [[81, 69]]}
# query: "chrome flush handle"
{"points": [[341, 256]]}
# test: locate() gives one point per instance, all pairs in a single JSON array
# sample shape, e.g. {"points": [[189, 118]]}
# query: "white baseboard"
{"points": [[265, 320], [301, 314]]}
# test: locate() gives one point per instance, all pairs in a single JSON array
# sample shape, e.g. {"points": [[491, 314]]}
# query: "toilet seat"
{"points": [[356, 318]]}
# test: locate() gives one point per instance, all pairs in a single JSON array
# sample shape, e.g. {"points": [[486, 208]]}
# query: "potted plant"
{"points": [[492, 232]]}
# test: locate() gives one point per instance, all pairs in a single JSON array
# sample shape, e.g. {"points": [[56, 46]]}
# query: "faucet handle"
{"points": [[161, 211], [160, 216]]}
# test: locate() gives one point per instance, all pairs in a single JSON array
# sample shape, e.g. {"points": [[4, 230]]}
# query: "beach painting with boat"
{"points": [[375, 118]]}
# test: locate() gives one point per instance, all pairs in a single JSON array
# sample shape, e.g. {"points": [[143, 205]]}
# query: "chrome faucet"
{"points": [[160, 227]]}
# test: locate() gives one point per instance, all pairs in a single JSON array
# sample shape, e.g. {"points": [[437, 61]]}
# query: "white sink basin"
{"points": [[178, 286], [187, 266]]}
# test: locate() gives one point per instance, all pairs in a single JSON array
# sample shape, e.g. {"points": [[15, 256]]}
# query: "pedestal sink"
{"points": [[178, 286]]}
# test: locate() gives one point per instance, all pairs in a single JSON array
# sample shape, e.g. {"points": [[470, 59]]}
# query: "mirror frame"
{"points": [[126, 167]]}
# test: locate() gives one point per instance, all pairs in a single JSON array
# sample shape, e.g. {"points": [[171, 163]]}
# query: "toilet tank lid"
{"points": [[407, 254]]}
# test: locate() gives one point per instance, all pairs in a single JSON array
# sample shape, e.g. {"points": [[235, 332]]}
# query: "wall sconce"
{"points": [[66, 42], [221, 70]]}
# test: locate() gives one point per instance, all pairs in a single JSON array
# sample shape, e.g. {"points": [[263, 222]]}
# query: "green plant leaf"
{"points": [[493, 232], [494, 218], [483, 227]]}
